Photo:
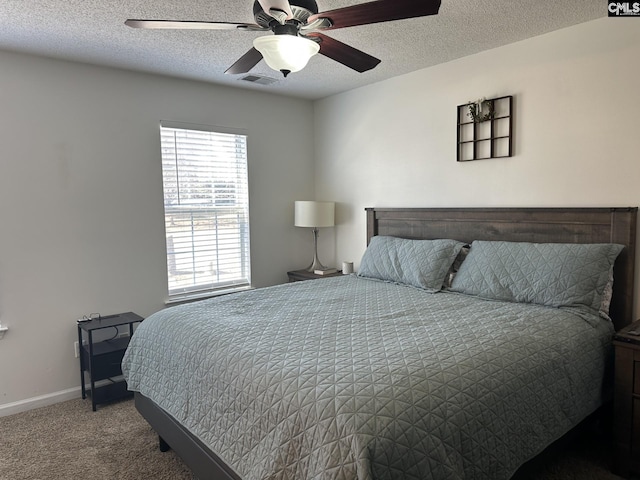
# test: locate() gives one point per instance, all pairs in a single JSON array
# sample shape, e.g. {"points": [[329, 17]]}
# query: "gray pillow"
{"points": [[419, 263], [552, 274], [607, 295], [464, 251]]}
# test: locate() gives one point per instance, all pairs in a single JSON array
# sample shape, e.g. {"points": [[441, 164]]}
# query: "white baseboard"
{"points": [[41, 401]]}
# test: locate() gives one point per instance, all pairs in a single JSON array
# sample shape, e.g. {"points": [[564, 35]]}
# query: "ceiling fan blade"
{"points": [[378, 11], [245, 63], [191, 25], [345, 54], [277, 5]]}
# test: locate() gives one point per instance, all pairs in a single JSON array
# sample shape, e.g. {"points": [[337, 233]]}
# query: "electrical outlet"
{"points": [[76, 349]]}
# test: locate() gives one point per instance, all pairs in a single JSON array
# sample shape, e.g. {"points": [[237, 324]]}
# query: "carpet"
{"points": [[69, 441]]}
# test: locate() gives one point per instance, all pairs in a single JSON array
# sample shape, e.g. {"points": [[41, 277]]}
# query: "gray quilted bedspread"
{"points": [[349, 378]]}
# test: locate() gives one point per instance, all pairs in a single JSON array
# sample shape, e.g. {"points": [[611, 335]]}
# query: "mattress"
{"points": [[350, 378]]}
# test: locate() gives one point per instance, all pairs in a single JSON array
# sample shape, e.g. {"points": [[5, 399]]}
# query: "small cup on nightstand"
{"points": [[347, 268]]}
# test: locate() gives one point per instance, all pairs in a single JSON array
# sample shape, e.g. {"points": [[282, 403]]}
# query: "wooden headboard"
{"points": [[539, 225]]}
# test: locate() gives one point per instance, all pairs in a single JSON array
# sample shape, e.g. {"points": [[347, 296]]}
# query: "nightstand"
{"points": [[300, 275], [102, 358], [627, 400]]}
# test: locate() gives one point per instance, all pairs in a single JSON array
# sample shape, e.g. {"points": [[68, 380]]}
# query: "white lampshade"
{"points": [[314, 214], [286, 53]]}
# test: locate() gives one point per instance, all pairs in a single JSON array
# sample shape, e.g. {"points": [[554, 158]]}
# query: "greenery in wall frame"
{"points": [[476, 108]]}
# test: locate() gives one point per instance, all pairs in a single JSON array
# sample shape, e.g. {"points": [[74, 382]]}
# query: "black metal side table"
{"points": [[102, 359]]}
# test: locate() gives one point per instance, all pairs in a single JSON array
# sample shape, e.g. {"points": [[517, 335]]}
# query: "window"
{"points": [[206, 209]]}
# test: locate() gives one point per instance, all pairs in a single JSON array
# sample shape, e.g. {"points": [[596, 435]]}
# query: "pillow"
{"points": [[419, 263], [607, 295], [464, 251], [552, 274]]}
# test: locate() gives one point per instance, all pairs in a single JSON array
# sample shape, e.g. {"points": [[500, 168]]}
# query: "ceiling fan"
{"points": [[296, 25]]}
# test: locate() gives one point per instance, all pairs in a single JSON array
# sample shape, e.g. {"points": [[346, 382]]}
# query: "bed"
{"points": [[361, 378]]}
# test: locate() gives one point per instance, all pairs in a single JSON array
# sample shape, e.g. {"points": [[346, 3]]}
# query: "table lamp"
{"points": [[314, 215]]}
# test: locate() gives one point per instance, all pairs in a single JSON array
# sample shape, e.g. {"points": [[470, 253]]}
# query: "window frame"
{"points": [[194, 292]]}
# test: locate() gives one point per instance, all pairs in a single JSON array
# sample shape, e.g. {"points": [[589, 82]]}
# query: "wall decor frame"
{"points": [[491, 138]]}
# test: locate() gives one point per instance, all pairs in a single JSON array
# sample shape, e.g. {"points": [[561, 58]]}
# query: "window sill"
{"points": [[186, 298]]}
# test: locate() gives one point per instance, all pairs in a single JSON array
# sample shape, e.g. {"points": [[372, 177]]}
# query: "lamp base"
{"points": [[316, 264]]}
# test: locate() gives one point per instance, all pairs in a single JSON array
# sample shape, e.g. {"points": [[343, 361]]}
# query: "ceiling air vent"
{"points": [[259, 79]]}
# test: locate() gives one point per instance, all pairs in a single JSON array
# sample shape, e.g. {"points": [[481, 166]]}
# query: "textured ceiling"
{"points": [[93, 31]]}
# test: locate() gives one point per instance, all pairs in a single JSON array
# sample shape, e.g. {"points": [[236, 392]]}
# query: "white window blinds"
{"points": [[206, 205]]}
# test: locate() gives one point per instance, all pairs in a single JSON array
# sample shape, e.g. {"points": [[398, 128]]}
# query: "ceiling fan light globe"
{"points": [[286, 52]]}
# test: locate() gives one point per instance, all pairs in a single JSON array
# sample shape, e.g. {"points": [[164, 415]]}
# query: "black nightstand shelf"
{"points": [[102, 359]]}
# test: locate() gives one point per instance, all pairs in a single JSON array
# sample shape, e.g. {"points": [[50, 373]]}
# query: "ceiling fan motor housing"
{"points": [[301, 9]]}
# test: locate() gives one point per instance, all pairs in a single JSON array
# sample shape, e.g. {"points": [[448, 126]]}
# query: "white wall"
{"points": [[576, 104], [81, 210]]}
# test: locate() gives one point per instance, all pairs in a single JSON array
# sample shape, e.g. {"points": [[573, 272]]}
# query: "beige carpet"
{"points": [[69, 441]]}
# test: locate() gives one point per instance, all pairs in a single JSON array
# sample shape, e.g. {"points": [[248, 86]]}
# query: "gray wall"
{"points": [[81, 205]]}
